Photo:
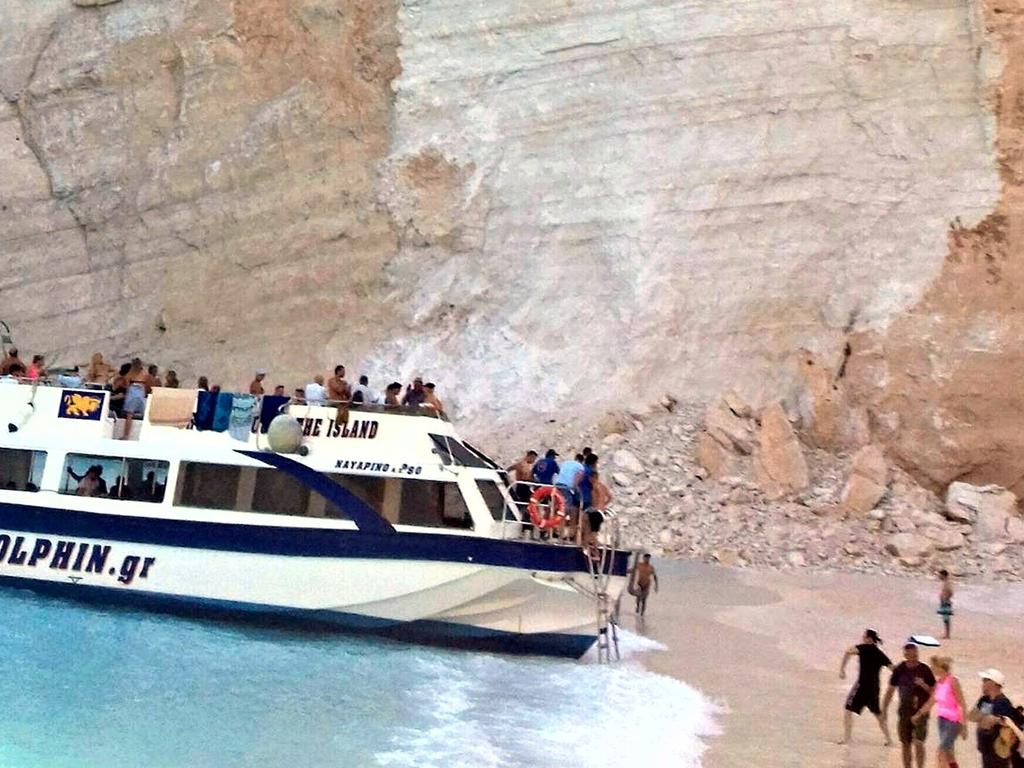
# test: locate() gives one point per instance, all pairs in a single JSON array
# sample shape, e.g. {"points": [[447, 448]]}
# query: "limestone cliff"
{"points": [[545, 206]]}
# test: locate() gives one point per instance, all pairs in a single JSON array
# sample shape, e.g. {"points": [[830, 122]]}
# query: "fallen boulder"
{"points": [[908, 545], [779, 464], [965, 503], [869, 478], [627, 460]]}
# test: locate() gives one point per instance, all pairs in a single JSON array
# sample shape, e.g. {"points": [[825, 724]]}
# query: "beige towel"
{"points": [[171, 407]]}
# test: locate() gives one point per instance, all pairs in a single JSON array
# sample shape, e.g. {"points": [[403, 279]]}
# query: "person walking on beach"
{"points": [[914, 680], [865, 691], [946, 601], [948, 701], [645, 577], [989, 713]]}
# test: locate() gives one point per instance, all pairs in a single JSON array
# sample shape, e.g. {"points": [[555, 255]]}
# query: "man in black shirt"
{"points": [[988, 713], [866, 690], [915, 681]]}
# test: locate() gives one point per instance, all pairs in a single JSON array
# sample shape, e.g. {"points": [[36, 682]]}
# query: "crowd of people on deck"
{"points": [[131, 382], [578, 482], [924, 688]]}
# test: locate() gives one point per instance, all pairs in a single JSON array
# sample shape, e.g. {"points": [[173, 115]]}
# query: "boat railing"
{"points": [[353, 405], [521, 524]]}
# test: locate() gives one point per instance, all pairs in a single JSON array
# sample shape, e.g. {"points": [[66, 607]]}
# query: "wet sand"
{"points": [[767, 647]]}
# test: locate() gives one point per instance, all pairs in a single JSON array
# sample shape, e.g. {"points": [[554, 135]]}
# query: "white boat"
{"points": [[380, 520]]}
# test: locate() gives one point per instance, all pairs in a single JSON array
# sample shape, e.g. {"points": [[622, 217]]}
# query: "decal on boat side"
{"points": [[377, 466], [76, 556]]}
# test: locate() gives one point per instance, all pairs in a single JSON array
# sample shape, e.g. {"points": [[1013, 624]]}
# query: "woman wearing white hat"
{"points": [[988, 713]]}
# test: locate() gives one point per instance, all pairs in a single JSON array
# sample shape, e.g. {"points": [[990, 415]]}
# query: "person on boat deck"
{"points": [[118, 389], [37, 370], [154, 376], [568, 484], [544, 471], [431, 400], [362, 393], [391, 395], [415, 394], [120, 489], [315, 393], [99, 372], [279, 390], [14, 373], [139, 384], [11, 359], [256, 385], [299, 395], [203, 383], [70, 379], [171, 381], [91, 483], [522, 473], [338, 389]]}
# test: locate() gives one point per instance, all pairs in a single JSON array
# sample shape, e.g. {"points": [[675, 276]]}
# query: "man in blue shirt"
{"points": [[568, 484], [545, 470]]}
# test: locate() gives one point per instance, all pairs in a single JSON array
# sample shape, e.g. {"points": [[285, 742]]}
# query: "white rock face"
{"points": [[698, 185], [553, 208]]}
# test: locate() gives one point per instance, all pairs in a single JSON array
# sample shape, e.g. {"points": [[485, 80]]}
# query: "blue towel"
{"points": [[242, 411], [206, 404], [222, 412], [269, 409]]}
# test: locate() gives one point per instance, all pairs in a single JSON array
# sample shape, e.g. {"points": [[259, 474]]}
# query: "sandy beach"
{"points": [[766, 646]]}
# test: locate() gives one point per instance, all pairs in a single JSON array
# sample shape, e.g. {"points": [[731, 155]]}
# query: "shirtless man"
{"points": [[946, 600], [338, 389], [256, 385], [523, 473], [645, 574], [431, 400]]}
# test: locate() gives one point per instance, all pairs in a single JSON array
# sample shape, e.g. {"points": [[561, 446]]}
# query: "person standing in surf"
{"points": [[865, 692], [946, 601], [645, 576]]}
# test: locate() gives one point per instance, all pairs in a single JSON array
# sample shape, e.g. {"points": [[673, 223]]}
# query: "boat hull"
{"points": [[456, 591]]}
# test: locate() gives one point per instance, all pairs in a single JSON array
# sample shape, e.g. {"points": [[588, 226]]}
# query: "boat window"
{"points": [[21, 470], [368, 489], [210, 486], [114, 477], [280, 493], [494, 498], [452, 451], [483, 456], [433, 505]]}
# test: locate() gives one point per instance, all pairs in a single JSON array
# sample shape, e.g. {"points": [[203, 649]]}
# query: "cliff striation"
{"points": [[547, 207]]}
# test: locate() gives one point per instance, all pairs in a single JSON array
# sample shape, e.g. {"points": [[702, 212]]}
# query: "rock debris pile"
{"points": [[793, 487]]}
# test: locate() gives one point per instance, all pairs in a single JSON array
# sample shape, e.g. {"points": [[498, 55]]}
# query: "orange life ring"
{"points": [[557, 502]]}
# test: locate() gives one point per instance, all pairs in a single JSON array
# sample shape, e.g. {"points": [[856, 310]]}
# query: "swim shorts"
{"points": [[861, 698], [909, 731]]}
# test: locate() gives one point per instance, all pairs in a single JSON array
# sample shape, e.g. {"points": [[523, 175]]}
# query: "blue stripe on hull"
{"points": [[434, 633], [307, 542]]}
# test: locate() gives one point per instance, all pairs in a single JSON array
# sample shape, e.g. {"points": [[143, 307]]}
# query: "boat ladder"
{"points": [[600, 559]]}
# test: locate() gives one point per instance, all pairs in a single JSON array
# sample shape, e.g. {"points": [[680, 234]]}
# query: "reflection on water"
{"points": [[85, 687]]}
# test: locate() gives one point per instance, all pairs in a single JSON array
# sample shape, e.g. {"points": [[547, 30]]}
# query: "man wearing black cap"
{"points": [[865, 691], [914, 680]]}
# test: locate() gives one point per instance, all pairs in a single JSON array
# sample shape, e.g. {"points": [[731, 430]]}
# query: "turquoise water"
{"points": [[89, 687]]}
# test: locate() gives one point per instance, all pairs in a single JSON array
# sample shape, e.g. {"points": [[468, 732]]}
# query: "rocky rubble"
{"points": [[743, 488]]}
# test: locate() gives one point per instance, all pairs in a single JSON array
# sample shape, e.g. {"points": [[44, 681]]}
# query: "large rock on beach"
{"points": [[869, 476], [908, 546], [987, 507], [779, 464]]}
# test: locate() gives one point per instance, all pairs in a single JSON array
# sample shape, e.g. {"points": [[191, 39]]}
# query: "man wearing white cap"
{"points": [[256, 387], [988, 713]]}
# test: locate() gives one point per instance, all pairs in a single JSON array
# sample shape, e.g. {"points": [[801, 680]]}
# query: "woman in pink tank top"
{"points": [[948, 701]]}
